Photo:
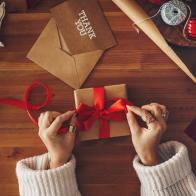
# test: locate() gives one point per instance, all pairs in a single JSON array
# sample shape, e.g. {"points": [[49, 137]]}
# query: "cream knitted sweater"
{"points": [[173, 177]]}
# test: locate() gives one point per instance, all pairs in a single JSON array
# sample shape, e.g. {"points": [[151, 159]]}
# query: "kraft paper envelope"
{"points": [[135, 12], [53, 50], [47, 53]]}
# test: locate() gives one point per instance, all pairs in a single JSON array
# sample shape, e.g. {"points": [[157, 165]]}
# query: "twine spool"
{"points": [[174, 12]]}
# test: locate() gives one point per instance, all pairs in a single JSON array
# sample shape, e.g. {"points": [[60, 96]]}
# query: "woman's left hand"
{"points": [[146, 139], [59, 146]]}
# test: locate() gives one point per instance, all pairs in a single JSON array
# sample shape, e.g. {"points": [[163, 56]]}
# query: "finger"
{"points": [[48, 118], [70, 136], [164, 111], [132, 121], [159, 122], [141, 112], [72, 124], [57, 123], [40, 119], [55, 114], [136, 110], [146, 116], [163, 107], [154, 109]]}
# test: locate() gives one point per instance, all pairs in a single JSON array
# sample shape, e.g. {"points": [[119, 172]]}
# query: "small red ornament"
{"points": [[157, 2], [191, 28]]}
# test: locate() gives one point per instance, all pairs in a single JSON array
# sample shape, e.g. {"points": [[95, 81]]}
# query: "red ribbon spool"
{"points": [[191, 28]]}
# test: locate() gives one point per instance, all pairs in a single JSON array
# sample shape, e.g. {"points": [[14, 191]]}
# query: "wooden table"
{"points": [[104, 167]]}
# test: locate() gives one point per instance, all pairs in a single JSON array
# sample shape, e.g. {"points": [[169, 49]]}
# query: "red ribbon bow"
{"points": [[103, 110]]}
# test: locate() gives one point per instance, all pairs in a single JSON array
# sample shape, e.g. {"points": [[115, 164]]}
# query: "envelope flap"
{"points": [[85, 63], [83, 26], [46, 52]]}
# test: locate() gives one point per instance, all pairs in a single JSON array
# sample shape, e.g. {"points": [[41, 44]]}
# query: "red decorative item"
{"points": [[157, 2], [191, 28], [25, 105], [103, 110]]}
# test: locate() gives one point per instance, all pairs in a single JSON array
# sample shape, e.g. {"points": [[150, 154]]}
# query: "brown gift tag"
{"points": [[83, 26], [116, 128]]}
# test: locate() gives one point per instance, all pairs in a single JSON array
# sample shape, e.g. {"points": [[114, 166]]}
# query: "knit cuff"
{"points": [[176, 166], [35, 179]]}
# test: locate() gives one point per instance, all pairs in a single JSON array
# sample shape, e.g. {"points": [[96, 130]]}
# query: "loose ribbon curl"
{"points": [[101, 110], [25, 105]]}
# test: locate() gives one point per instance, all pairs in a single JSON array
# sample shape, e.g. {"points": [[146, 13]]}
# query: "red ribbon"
{"points": [[103, 110], [191, 28], [25, 105]]}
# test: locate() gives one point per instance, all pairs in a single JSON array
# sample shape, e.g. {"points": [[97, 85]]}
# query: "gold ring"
{"points": [[72, 129]]}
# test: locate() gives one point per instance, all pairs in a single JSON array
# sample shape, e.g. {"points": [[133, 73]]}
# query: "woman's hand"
{"points": [[146, 140], [59, 146]]}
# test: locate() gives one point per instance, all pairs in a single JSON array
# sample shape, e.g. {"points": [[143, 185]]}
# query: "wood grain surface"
{"points": [[104, 167]]}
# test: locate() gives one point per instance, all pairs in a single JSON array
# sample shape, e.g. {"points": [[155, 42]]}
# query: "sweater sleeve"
{"points": [[34, 178], [173, 177]]}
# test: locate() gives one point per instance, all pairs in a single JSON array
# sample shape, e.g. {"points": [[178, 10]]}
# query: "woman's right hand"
{"points": [[146, 140], [59, 146]]}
